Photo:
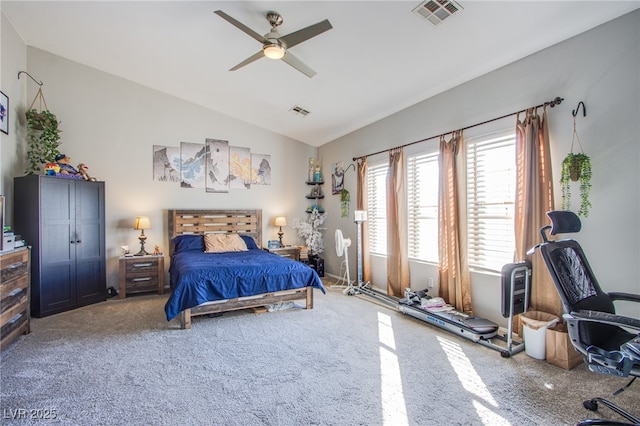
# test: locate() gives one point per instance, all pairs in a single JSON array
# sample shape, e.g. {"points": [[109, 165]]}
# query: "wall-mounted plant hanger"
{"points": [[576, 167], [345, 197], [39, 83]]}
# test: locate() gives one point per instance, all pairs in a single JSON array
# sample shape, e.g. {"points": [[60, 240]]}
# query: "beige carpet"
{"points": [[346, 362]]}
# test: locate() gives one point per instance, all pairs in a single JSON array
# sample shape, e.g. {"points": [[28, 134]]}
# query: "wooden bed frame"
{"points": [[244, 222]]}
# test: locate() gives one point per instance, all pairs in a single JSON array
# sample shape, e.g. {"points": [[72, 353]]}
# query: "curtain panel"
{"points": [[453, 270], [397, 234], [361, 204], [534, 198]]}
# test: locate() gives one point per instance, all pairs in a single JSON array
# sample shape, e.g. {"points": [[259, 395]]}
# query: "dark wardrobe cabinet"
{"points": [[63, 221]]}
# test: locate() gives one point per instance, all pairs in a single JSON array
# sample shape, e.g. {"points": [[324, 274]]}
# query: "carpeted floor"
{"points": [[346, 362]]}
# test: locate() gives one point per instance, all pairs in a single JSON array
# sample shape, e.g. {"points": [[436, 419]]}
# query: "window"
{"points": [[491, 180], [422, 208], [377, 208]]}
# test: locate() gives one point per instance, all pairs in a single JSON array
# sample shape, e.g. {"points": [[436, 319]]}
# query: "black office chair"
{"points": [[610, 343]]}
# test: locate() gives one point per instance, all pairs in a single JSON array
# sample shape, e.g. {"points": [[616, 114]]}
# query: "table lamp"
{"points": [[142, 223], [280, 221]]}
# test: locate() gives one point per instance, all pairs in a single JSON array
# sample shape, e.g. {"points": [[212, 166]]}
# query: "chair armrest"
{"points": [[606, 318], [630, 297]]}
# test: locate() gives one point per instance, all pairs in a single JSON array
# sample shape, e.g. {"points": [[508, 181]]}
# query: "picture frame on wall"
{"points": [[4, 113]]}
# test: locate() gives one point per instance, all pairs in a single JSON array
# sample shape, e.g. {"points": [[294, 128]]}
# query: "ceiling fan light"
{"points": [[273, 51]]}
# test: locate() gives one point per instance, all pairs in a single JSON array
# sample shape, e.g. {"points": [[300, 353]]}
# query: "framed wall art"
{"points": [[4, 113]]}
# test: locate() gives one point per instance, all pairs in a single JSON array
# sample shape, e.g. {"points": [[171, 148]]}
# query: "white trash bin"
{"points": [[534, 329]]}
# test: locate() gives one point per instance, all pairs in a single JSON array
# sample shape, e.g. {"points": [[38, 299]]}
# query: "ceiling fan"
{"points": [[274, 45]]}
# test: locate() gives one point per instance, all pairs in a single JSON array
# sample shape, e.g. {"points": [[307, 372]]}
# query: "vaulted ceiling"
{"points": [[379, 57]]}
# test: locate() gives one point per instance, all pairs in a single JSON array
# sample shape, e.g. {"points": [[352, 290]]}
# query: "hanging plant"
{"points": [[576, 168], [345, 198], [43, 136]]}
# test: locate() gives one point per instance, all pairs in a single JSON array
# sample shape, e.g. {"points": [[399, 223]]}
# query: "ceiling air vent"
{"points": [[436, 11], [299, 110]]}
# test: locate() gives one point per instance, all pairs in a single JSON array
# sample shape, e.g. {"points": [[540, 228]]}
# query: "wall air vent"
{"points": [[436, 11], [299, 111]]}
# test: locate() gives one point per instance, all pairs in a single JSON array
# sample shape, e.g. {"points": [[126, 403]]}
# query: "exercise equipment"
{"points": [[516, 280], [478, 330]]}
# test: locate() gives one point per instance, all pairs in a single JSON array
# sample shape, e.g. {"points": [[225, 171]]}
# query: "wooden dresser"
{"points": [[14, 294]]}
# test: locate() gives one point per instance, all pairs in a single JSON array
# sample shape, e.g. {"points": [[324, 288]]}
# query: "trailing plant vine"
{"points": [[576, 167], [43, 139]]}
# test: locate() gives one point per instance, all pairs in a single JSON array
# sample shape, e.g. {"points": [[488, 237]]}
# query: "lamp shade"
{"points": [[142, 222], [280, 221], [273, 51]]}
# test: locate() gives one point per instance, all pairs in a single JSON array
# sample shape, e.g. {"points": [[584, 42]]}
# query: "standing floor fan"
{"points": [[342, 248]]}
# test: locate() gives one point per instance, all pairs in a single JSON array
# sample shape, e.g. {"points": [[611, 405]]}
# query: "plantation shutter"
{"points": [[422, 209], [491, 183], [377, 208]]}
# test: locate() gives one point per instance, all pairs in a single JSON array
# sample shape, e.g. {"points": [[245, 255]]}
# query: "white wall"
{"points": [[601, 68], [14, 59], [111, 124]]}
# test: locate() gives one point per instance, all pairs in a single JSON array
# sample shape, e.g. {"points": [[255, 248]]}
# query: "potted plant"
{"points": [[43, 139], [345, 199], [576, 168]]}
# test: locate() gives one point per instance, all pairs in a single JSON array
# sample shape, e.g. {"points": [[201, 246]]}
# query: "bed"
{"points": [[204, 283]]}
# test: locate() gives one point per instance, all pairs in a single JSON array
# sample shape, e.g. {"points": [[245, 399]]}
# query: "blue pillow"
{"points": [[250, 242], [188, 242]]}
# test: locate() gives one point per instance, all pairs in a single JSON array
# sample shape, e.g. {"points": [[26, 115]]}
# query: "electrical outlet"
{"points": [[430, 282]]}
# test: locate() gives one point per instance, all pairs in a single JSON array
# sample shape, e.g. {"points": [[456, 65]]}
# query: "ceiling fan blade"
{"points": [[304, 34], [241, 26], [247, 61], [290, 59]]}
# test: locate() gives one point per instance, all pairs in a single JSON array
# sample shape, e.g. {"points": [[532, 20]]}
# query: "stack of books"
{"points": [[304, 253]]}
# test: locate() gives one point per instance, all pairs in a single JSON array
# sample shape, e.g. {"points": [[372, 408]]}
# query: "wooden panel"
{"points": [[305, 293], [200, 222], [13, 265]]}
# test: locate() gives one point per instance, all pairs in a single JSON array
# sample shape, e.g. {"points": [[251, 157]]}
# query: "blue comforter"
{"points": [[198, 277]]}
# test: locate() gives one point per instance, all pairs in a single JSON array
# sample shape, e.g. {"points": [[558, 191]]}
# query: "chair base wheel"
{"points": [[590, 404]]}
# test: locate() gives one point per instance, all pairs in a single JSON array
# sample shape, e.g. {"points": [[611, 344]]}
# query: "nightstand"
{"points": [[140, 274], [290, 252]]}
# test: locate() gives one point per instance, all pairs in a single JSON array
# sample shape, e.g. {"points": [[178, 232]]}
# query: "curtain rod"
{"points": [[556, 101]]}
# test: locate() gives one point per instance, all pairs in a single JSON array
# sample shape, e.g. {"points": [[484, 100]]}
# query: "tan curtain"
{"points": [[361, 204], [397, 246], [453, 270], [534, 197]]}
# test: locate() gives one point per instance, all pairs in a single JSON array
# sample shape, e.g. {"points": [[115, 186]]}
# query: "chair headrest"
{"points": [[564, 221]]}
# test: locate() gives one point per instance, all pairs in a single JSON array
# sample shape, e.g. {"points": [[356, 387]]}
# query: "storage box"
{"points": [[560, 351], [8, 241]]}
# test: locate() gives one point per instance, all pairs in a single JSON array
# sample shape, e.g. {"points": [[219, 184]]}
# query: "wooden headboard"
{"points": [[245, 222]]}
